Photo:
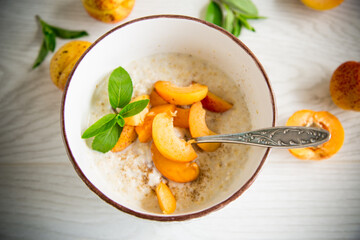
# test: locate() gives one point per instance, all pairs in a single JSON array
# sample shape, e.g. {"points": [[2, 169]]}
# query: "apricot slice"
{"points": [[323, 120], [198, 127], [168, 144], [215, 104], [345, 86], [138, 119], [175, 171], [181, 95], [166, 199], [156, 100], [127, 136], [144, 131], [182, 117]]}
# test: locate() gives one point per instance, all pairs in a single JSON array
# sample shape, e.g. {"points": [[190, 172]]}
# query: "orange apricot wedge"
{"points": [[181, 95], [166, 199], [127, 136], [323, 120], [166, 141], [182, 117], [144, 131], [138, 119], [175, 171], [215, 103], [198, 127], [156, 100]]}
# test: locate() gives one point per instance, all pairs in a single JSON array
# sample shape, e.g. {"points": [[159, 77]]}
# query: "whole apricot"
{"points": [[345, 86], [322, 4], [64, 60], [108, 11]]}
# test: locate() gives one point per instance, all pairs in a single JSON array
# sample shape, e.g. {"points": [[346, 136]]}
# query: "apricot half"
{"points": [[181, 95], [323, 120], [144, 131], [127, 136], [322, 4], [198, 127], [215, 104], [166, 199], [175, 171], [345, 86], [168, 144]]}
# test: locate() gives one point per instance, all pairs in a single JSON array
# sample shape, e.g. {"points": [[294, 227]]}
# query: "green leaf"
{"points": [[134, 108], [237, 28], [100, 126], [245, 23], [214, 13], [50, 41], [229, 19], [120, 120], [249, 16], [245, 6], [105, 141], [41, 55], [120, 88], [68, 34]]}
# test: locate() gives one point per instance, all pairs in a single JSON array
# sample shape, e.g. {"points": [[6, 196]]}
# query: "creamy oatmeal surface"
{"points": [[132, 173]]}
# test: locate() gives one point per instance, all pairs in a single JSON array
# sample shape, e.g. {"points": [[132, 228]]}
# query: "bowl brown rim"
{"points": [[165, 217]]}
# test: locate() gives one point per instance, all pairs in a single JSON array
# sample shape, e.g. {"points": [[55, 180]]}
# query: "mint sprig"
{"points": [[232, 15], [49, 40], [107, 129]]}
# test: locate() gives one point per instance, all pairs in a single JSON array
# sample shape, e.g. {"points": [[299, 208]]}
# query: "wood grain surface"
{"points": [[41, 197]]}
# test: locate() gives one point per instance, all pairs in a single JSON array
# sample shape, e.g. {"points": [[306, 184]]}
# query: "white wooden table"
{"points": [[41, 197]]}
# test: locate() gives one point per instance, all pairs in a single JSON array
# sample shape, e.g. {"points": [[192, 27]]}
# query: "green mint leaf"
{"points": [[105, 141], [214, 14], [229, 19], [120, 88], [120, 120], [134, 108], [68, 34], [245, 6], [100, 126], [49, 36], [249, 16], [237, 28], [41, 55], [245, 23]]}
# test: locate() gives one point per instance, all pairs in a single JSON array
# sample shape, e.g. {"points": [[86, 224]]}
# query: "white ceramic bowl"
{"points": [[161, 34]]}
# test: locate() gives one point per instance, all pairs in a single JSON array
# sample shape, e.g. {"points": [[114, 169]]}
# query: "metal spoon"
{"points": [[276, 137]]}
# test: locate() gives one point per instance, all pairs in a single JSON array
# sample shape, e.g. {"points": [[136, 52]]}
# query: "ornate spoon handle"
{"points": [[277, 137]]}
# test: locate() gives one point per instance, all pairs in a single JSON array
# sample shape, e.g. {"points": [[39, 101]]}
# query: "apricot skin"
{"points": [[175, 171], [215, 104], [144, 131], [127, 136], [181, 95], [64, 60], [156, 100], [108, 11], [182, 118], [198, 127], [321, 5], [168, 144], [345, 86], [166, 199], [324, 120]]}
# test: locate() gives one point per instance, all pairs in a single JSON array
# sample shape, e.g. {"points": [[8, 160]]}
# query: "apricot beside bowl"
{"points": [[144, 37]]}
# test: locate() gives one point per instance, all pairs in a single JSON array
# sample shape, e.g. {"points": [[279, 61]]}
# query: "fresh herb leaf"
{"points": [[120, 88], [249, 16], [245, 23], [50, 41], [245, 6], [41, 55], [105, 141], [229, 19], [120, 120], [134, 108], [214, 13], [237, 27], [68, 34], [100, 126]]}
